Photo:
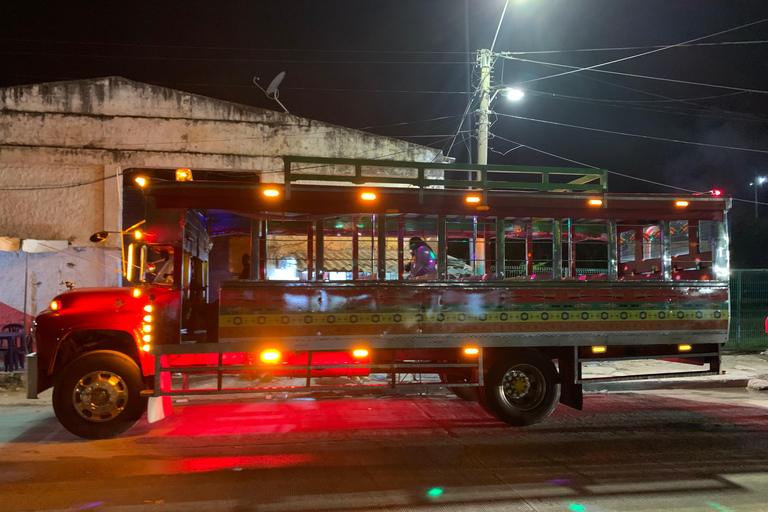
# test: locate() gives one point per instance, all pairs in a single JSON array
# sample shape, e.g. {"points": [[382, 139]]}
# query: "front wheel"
{"points": [[98, 395], [521, 389]]}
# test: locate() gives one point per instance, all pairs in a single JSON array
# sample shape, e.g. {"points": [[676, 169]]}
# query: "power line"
{"points": [[461, 123], [670, 100], [647, 77], [650, 137], [408, 122], [370, 90], [372, 52], [643, 54], [660, 109], [230, 48], [655, 95], [625, 48], [658, 183], [263, 61]]}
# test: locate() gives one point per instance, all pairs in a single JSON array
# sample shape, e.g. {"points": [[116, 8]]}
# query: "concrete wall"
{"points": [[63, 146]]}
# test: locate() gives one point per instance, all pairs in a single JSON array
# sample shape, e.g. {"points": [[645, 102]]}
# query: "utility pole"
{"points": [[759, 180], [755, 198], [484, 59]]}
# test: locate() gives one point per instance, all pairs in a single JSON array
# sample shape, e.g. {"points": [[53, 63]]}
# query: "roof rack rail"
{"points": [[422, 175]]}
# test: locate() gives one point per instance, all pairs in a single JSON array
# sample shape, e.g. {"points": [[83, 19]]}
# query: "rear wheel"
{"points": [[98, 395], [521, 388], [465, 393]]}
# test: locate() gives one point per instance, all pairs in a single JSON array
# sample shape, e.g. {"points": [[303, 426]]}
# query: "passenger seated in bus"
{"points": [[246, 272], [423, 260]]}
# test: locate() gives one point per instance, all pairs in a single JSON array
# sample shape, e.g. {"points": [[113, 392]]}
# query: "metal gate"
{"points": [[749, 309]]}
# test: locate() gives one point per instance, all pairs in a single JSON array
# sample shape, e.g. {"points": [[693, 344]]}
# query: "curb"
{"points": [[650, 384]]}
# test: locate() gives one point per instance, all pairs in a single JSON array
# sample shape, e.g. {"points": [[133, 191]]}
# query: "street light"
{"points": [[759, 180], [514, 94]]}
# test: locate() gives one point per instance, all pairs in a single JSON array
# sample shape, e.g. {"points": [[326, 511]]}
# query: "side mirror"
{"points": [[99, 237]]}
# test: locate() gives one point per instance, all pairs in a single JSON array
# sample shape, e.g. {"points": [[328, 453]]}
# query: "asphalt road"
{"points": [[696, 450]]}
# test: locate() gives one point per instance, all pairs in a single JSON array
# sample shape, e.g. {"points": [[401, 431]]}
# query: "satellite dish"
{"points": [[274, 84], [271, 90]]}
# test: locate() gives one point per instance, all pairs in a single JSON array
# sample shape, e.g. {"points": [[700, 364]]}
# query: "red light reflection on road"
{"points": [[204, 464]]}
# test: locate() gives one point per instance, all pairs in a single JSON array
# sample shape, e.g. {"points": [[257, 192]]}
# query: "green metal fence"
{"points": [[749, 309]]}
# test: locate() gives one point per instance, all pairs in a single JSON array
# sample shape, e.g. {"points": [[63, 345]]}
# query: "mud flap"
{"points": [[159, 407], [571, 393]]}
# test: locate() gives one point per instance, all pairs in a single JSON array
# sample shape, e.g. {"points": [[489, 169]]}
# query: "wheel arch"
{"points": [[79, 343]]}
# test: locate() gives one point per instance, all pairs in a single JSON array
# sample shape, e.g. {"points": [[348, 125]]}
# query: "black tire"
{"points": [[521, 388], [465, 393], [97, 396], [481, 399]]}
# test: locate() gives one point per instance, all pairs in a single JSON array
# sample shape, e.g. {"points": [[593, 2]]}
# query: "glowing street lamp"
{"points": [[514, 94], [759, 180]]}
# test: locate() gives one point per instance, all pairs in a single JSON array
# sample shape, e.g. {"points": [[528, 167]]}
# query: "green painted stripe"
{"points": [[646, 315], [503, 308]]}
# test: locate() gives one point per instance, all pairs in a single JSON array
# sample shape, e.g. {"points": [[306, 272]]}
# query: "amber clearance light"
{"points": [[368, 196], [473, 199], [270, 356], [471, 351], [271, 192], [681, 204], [141, 181], [595, 202], [56, 305], [183, 175], [361, 352]]}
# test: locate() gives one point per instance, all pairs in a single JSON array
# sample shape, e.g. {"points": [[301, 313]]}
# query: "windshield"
{"points": [[163, 273]]}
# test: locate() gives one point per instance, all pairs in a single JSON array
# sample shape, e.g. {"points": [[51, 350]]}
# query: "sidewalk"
{"points": [[739, 371]]}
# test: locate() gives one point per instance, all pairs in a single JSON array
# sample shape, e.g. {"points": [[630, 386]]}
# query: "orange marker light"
{"points": [[681, 204], [595, 202], [684, 348], [368, 196], [270, 356], [141, 181], [148, 308], [361, 352], [138, 234], [271, 192], [183, 175], [56, 305], [148, 318], [473, 199], [145, 347], [146, 328], [137, 292], [146, 338], [471, 351], [599, 350]]}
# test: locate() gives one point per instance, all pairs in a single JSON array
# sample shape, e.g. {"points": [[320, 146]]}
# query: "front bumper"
{"points": [[32, 375]]}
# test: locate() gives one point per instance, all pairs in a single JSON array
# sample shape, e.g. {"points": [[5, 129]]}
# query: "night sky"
{"points": [[392, 67]]}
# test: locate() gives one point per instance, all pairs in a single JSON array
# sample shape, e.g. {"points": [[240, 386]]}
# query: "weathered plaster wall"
{"points": [[62, 146], [38, 278]]}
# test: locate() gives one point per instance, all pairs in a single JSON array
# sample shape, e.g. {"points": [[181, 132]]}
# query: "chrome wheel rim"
{"points": [[523, 387], [100, 396]]}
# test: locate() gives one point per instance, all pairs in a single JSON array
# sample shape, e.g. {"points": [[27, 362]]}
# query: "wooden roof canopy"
{"points": [[431, 189]]}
